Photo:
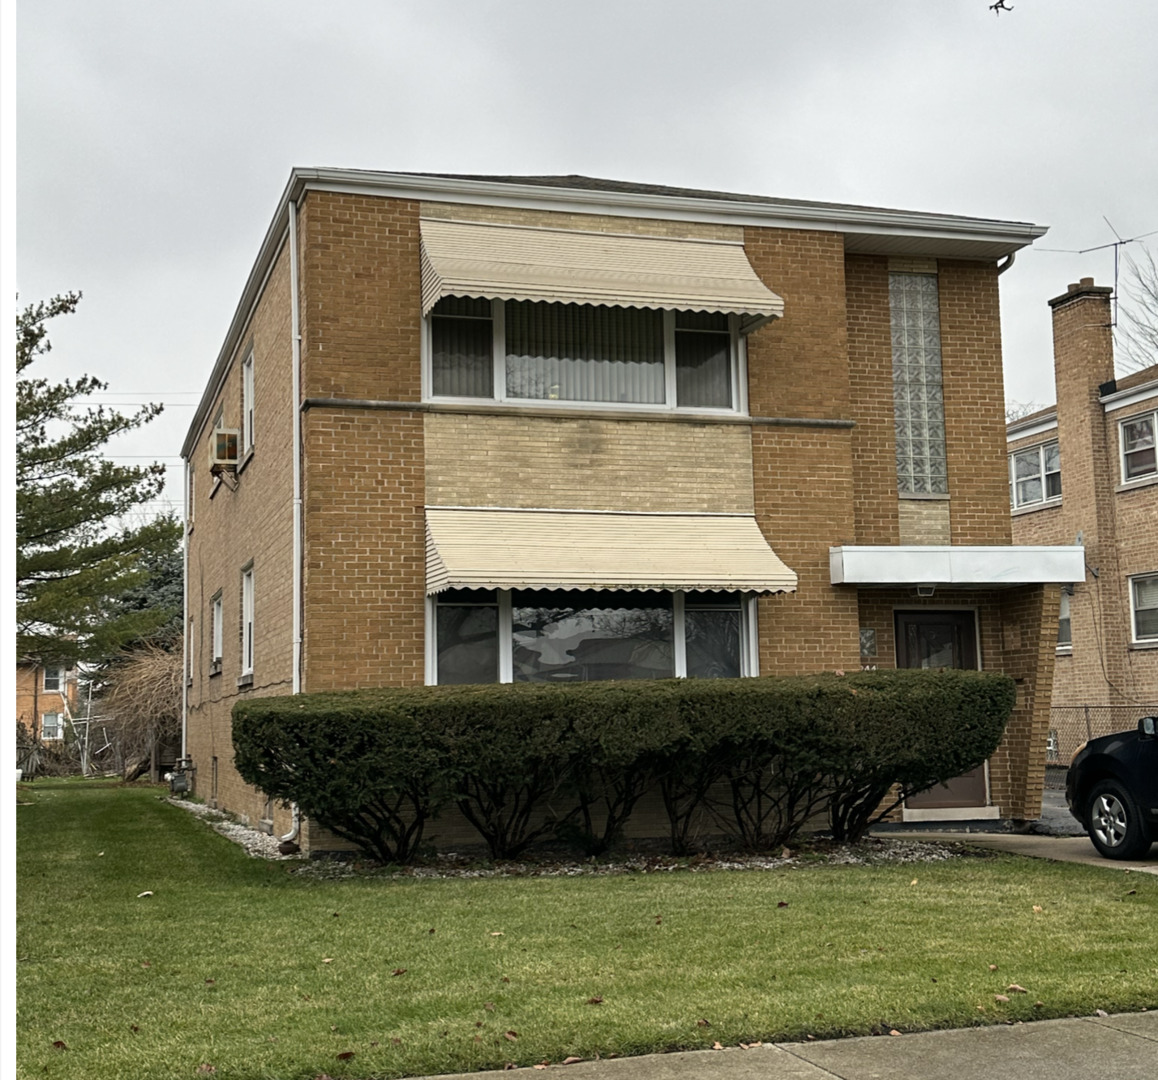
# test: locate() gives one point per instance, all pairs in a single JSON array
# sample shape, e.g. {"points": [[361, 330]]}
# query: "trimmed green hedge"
{"points": [[526, 761]]}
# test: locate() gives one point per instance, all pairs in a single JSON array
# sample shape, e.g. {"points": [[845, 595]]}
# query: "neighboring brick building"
{"points": [[555, 428], [1085, 470], [45, 699]]}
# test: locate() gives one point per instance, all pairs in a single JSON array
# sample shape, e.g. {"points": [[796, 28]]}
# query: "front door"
{"points": [[940, 639]]}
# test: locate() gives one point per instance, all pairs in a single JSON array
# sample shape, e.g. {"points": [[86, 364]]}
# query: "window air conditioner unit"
{"points": [[223, 449]]}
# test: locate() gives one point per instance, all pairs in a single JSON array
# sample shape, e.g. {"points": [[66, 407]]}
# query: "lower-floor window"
{"points": [[563, 636], [1144, 604], [50, 726]]}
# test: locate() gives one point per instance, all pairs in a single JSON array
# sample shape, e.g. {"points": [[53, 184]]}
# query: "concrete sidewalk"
{"points": [[1075, 849], [1123, 1047]]}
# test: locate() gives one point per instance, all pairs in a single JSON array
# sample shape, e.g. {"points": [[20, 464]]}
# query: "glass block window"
{"points": [[1035, 475], [918, 400]]}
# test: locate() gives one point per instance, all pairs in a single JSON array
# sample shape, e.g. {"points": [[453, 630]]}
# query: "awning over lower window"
{"points": [[507, 263], [962, 565], [562, 549]]}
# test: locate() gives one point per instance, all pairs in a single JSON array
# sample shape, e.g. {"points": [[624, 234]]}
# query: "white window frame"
{"points": [[1135, 639], [1046, 499], [1153, 418], [247, 620], [749, 650], [1064, 614], [738, 355], [247, 408], [217, 631], [44, 736], [59, 673]]}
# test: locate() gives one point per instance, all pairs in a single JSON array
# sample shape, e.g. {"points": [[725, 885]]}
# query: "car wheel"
{"points": [[1113, 822]]}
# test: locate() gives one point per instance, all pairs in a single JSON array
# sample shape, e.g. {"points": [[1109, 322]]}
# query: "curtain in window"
{"points": [[918, 401], [462, 347], [579, 352]]}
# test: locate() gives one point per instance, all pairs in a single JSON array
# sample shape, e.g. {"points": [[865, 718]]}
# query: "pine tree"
{"points": [[77, 554]]}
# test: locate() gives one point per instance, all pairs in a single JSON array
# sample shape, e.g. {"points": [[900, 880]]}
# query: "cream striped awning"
{"points": [[470, 548], [513, 263]]}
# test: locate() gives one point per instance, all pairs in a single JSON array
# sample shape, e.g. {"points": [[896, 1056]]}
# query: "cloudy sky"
{"points": [[154, 139]]}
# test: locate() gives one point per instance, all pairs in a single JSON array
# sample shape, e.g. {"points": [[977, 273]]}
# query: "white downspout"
{"points": [[296, 341]]}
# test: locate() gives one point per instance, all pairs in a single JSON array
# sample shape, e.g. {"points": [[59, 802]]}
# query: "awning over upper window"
{"points": [[509, 263], [564, 549]]}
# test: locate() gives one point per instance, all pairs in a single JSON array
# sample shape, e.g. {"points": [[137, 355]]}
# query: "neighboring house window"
{"points": [[1035, 475], [1064, 637], [1138, 447], [217, 645], [54, 678], [247, 621], [918, 400], [583, 353], [562, 636], [247, 439], [1144, 607], [51, 726]]}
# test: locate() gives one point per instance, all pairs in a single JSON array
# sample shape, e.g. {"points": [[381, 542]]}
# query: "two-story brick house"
{"points": [[1085, 468], [556, 428]]}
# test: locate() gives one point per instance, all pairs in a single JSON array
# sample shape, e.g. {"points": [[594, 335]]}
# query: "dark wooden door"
{"points": [[938, 639]]}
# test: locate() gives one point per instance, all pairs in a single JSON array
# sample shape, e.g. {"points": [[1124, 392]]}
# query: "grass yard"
{"points": [[244, 966]]}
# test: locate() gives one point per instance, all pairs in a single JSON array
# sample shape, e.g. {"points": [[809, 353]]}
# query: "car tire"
{"points": [[1114, 823]]}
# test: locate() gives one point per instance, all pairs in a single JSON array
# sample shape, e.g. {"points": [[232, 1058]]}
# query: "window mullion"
{"points": [[499, 320], [669, 362], [679, 640], [506, 638], [749, 637]]}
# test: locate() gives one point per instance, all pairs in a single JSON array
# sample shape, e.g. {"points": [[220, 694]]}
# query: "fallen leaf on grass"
{"points": [[145, 963], [496, 933], [913, 882], [99, 854], [1101, 1012], [509, 1065], [1000, 997], [60, 1044], [1037, 909], [539, 1066], [210, 982], [595, 1001], [1039, 1004], [658, 920], [511, 1035], [717, 1046], [142, 895], [431, 930], [782, 903], [327, 959], [893, 1031], [395, 1042], [703, 1023], [345, 1055], [206, 1070], [1013, 988], [1132, 892], [572, 1060], [478, 1038], [992, 967], [398, 971], [505, 979], [489, 1006], [133, 1028]]}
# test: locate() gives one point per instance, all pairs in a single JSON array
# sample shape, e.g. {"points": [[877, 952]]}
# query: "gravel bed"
{"points": [[873, 851]]}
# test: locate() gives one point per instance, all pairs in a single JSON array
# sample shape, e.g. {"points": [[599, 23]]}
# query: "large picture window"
{"points": [[565, 636], [1035, 475], [583, 353], [1138, 447]]}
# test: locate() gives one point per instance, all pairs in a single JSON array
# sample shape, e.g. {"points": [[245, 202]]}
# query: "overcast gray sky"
{"points": [[154, 139]]}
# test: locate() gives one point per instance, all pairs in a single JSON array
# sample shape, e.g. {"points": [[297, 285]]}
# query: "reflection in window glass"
{"points": [[713, 643], [1138, 447], [589, 636], [703, 349], [468, 643], [462, 347]]}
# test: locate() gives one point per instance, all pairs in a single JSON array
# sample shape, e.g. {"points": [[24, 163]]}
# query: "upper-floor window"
{"points": [[1144, 607], [918, 398], [247, 621], [1138, 446], [217, 633], [247, 438], [54, 678], [526, 351], [1035, 475]]}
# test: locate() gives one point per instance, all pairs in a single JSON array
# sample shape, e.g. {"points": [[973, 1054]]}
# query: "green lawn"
{"points": [[258, 972]]}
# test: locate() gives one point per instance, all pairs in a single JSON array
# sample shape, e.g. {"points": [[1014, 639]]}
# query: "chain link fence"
{"points": [[1072, 725]]}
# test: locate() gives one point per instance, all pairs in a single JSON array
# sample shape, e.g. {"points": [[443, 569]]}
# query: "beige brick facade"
{"points": [[1117, 521], [813, 460]]}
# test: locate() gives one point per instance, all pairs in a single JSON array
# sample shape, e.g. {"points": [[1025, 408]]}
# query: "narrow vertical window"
{"points": [[462, 348], [53, 678], [217, 644], [1064, 635], [247, 621], [703, 360], [189, 652], [247, 404], [918, 399]]}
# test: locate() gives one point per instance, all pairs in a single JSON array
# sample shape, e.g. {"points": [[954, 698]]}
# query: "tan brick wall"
{"points": [[232, 529], [923, 521], [587, 464], [974, 402], [870, 366], [603, 223], [33, 701]]}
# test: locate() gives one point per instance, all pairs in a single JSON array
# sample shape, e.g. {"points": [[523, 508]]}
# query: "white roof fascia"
{"points": [[1123, 399], [1019, 430], [956, 565]]}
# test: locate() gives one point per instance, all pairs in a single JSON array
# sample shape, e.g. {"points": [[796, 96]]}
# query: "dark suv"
{"points": [[1112, 789]]}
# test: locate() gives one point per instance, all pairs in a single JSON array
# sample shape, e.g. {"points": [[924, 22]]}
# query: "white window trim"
{"points": [[1141, 478], [60, 680], [1065, 611], [749, 640], [738, 372], [247, 405], [1134, 638], [59, 727], [1045, 500], [247, 620]]}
